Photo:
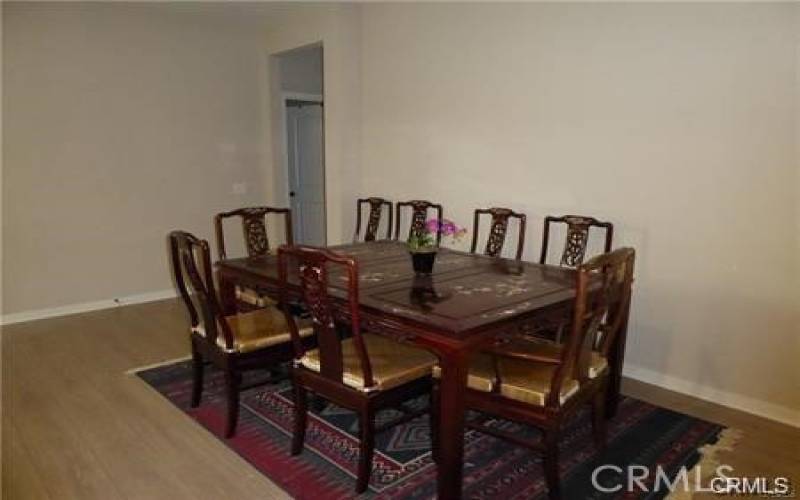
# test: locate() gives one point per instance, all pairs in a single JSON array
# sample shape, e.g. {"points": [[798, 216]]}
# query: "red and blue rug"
{"points": [[640, 434]]}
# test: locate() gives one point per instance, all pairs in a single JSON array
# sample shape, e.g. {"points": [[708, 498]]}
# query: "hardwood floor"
{"points": [[76, 426]]}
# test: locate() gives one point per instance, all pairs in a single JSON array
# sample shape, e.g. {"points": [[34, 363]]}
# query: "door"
{"points": [[306, 172]]}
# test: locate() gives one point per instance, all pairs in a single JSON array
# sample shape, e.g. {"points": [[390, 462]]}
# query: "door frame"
{"points": [[318, 98]]}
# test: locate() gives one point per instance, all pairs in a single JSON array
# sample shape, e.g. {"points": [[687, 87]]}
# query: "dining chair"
{"points": [[254, 228], [544, 384], [577, 237], [419, 214], [498, 228], [374, 218], [255, 340], [364, 372]]}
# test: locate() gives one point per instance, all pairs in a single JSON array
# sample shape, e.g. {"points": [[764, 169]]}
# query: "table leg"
{"points": [[227, 294], [452, 388], [616, 358]]}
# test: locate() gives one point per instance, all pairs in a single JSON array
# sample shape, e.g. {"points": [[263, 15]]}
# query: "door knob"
{"points": [[291, 194]]}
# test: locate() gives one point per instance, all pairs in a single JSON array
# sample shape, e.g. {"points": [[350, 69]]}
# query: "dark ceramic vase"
{"points": [[423, 262]]}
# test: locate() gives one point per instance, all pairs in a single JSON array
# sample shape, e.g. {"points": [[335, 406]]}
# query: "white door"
{"points": [[306, 173]]}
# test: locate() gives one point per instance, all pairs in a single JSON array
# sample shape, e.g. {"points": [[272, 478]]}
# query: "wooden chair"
{"points": [[577, 239], [258, 339], [373, 219], [497, 230], [419, 214], [543, 384], [254, 227], [364, 372]]}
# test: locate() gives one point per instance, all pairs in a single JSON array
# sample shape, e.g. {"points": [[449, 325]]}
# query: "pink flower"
{"points": [[444, 226], [432, 226]]}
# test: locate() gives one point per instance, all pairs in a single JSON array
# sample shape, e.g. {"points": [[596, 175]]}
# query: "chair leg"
{"points": [[232, 381], [300, 418], [367, 437], [598, 419], [197, 376], [550, 463], [433, 415]]}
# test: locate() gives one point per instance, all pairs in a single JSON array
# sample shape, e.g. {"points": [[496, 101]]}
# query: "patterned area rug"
{"points": [[640, 434]]}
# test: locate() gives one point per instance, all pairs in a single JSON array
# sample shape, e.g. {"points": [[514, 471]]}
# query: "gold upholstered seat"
{"points": [[481, 374], [252, 297], [529, 382], [521, 380], [392, 363], [258, 329]]}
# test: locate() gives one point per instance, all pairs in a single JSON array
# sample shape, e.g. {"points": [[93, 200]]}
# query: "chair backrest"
{"points": [[254, 226], [192, 272], [601, 303], [312, 266], [373, 219], [419, 214], [497, 230], [577, 238]]}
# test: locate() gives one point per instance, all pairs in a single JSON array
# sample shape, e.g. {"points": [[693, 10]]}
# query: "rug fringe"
{"points": [[134, 371], [709, 461]]}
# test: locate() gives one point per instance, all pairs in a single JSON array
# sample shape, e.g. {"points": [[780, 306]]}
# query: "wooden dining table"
{"points": [[467, 303]]}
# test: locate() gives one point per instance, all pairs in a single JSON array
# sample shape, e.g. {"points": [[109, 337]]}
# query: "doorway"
{"points": [[302, 108], [304, 134]]}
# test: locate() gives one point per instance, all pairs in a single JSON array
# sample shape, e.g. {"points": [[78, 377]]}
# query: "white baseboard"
{"points": [[52, 312], [765, 409]]}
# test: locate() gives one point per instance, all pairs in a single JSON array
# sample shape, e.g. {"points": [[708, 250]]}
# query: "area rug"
{"points": [[640, 434]]}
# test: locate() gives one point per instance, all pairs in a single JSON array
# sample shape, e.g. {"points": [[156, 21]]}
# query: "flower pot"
{"points": [[423, 262]]}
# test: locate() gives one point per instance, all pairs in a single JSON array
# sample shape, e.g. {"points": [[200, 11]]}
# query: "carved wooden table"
{"points": [[467, 302]]}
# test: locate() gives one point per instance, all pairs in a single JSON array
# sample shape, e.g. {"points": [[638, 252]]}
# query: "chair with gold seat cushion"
{"points": [[251, 297], [498, 229], [530, 382], [521, 380], [257, 244], [260, 328], [392, 363], [576, 239], [376, 210], [258, 339], [544, 383], [481, 373], [364, 372]]}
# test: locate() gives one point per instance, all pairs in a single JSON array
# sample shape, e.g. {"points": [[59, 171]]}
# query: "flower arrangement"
{"points": [[425, 240]]}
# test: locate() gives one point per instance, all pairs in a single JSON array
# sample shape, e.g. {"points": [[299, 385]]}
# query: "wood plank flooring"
{"points": [[76, 426]]}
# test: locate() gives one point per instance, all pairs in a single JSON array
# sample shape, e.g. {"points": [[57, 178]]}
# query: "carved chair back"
{"points": [[254, 227], [498, 228], [619, 276], [419, 214], [374, 218], [577, 238], [192, 271], [603, 294], [312, 266]]}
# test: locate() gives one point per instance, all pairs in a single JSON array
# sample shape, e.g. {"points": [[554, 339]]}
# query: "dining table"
{"points": [[468, 302]]}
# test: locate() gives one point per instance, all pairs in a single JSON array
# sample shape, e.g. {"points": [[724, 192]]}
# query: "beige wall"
{"points": [[676, 122], [337, 26], [127, 121], [122, 122]]}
